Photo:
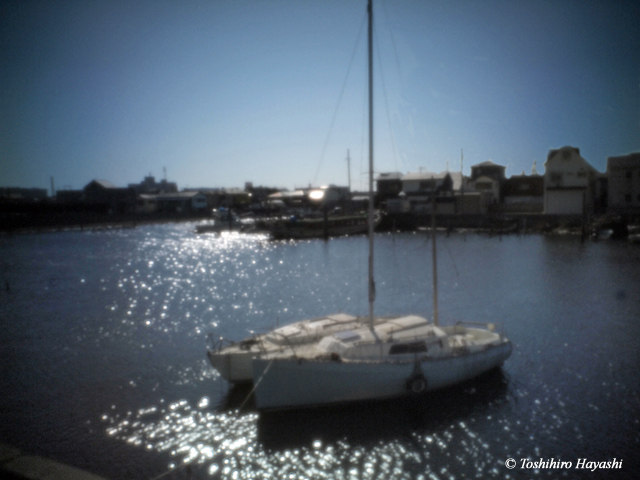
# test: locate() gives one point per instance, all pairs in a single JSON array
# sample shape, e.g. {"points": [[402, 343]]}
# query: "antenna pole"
{"points": [[461, 168], [349, 169]]}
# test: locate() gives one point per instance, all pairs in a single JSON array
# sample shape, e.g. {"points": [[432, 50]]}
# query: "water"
{"points": [[103, 333]]}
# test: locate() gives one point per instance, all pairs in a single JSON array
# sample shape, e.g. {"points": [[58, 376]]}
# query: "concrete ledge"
{"points": [[8, 453], [15, 465]]}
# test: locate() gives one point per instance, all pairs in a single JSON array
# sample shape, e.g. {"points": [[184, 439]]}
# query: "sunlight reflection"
{"points": [[228, 445]]}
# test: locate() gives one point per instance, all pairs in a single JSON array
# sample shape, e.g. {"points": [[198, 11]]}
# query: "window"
{"points": [[427, 185], [404, 348], [347, 336]]}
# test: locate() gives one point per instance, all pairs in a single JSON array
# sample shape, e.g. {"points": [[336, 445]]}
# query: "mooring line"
{"points": [[255, 385]]}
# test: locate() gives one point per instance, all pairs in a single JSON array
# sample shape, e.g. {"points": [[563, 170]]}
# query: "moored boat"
{"points": [[401, 356], [385, 358], [338, 359], [320, 227]]}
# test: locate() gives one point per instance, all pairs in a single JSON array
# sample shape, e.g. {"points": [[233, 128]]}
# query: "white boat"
{"points": [[222, 220], [401, 356], [385, 358], [342, 358]]}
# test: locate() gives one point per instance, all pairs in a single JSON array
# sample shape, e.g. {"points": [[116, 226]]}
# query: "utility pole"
{"points": [[461, 168], [349, 169]]}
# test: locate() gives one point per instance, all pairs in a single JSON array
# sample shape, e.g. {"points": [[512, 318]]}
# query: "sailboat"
{"points": [[342, 358]]}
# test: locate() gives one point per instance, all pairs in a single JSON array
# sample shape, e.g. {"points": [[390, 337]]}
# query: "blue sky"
{"points": [[221, 92]]}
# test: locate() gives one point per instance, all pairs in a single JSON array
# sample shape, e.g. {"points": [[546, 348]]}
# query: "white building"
{"points": [[487, 187], [569, 183], [418, 189], [180, 202], [425, 182]]}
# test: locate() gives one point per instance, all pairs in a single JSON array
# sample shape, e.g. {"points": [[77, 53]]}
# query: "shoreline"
{"points": [[618, 227]]}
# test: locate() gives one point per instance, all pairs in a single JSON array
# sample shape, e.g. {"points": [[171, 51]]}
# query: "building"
{"points": [[388, 185], [624, 183], [150, 186], [419, 189], [182, 202], [147, 203], [488, 187], [102, 196], [307, 200], [570, 183], [23, 194], [523, 194], [258, 195], [235, 198], [70, 197], [424, 183], [329, 196], [487, 178], [488, 169], [470, 203]]}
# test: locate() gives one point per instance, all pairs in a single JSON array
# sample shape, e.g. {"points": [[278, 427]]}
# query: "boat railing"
{"points": [[214, 345], [491, 326], [287, 342], [259, 341]]}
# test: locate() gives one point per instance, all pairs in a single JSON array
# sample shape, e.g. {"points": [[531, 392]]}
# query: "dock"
{"points": [[16, 465]]}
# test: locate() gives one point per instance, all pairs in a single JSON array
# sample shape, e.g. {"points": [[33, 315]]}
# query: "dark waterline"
{"points": [[103, 333]]}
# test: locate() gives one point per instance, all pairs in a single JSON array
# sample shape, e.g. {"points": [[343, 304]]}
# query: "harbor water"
{"points": [[102, 340]]}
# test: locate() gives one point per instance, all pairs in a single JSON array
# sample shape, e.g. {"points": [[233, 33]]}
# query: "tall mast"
{"points": [[433, 254], [372, 285]]}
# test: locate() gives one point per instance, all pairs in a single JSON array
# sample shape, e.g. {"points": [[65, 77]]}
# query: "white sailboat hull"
{"points": [[293, 383], [234, 367]]}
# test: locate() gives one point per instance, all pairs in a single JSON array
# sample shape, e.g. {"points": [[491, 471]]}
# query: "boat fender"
{"points": [[417, 384], [335, 357]]}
